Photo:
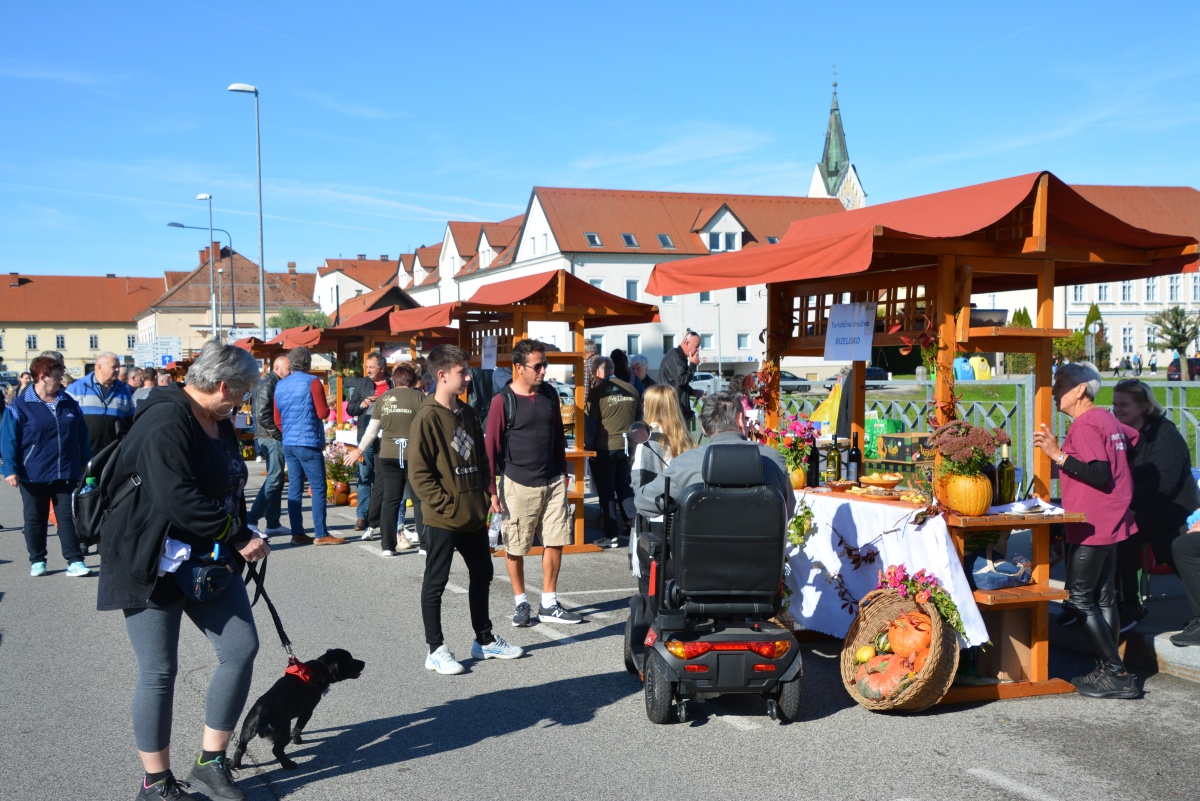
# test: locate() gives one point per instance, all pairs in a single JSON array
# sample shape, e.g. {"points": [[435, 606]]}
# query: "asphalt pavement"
{"points": [[563, 722]]}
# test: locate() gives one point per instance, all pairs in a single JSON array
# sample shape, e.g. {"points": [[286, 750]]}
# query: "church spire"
{"points": [[836, 158]]}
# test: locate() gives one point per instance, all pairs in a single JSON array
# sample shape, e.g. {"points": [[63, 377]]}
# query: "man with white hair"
{"points": [[107, 403]]}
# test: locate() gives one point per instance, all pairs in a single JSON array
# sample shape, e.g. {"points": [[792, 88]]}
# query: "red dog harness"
{"points": [[299, 670]]}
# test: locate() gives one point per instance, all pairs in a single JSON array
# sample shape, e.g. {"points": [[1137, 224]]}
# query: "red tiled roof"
{"points": [[501, 235], [173, 277], [371, 273], [611, 212], [75, 298], [430, 279], [466, 237], [406, 261], [384, 297], [193, 290]]}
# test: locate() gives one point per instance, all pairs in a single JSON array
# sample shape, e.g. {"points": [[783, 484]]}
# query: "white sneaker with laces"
{"points": [[387, 553], [497, 649], [442, 661]]}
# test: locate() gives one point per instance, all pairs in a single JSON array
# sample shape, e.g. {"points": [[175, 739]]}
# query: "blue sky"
{"points": [[380, 121]]}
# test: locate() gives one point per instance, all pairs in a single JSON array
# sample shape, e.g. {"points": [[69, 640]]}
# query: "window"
{"points": [[1151, 336], [741, 295], [668, 342], [631, 289], [731, 241], [706, 342], [60, 342], [714, 241], [1102, 293], [1152, 290], [130, 341], [772, 240], [1196, 289], [599, 340], [630, 241], [706, 297], [665, 241], [1127, 339], [31, 342], [545, 243], [597, 282], [1173, 288], [532, 246], [1126, 291], [94, 342], [593, 240], [668, 298], [1, 342], [743, 341], [633, 344], [1077, 293]]}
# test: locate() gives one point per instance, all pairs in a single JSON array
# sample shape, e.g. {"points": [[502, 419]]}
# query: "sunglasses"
{"points": [[535, 367]]}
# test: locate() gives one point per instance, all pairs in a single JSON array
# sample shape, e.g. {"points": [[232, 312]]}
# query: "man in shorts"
{"points": [[529, 464]]}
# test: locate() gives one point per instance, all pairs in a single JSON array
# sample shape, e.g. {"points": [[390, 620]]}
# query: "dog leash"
{"points": [[261, 592]]}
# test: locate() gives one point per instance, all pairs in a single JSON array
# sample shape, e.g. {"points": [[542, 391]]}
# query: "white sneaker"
{"points": [[411, 533], [498, 649], [442, 661], [387, 553], [368, 535]]}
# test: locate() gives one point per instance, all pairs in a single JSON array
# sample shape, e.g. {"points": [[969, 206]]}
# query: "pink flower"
{"points": [[923, 597]]}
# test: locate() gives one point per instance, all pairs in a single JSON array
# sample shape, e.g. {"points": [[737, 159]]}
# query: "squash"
{"points": [[909, 633], [864, 654], [919, 659], [882, 676], [882, 644]]}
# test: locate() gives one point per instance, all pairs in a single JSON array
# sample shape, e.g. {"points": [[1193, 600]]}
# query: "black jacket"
{"points": [[1164, 492], [676, 372], [264, 409], [358, 390], [176, 495]]}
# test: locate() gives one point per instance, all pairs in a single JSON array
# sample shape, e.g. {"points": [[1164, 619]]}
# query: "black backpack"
{"points": [[90, 508], [480, 393]]}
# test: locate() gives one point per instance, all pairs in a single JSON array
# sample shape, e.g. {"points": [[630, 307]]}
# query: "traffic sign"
{"points": [[167, 358]]}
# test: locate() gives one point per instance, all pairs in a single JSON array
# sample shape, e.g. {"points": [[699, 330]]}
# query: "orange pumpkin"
{"points": [[881, 677], [341, 499], [353, 498], [919, 659], [909, 633], [967, 495]]}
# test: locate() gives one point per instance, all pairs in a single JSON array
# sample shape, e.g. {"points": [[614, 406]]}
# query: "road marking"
{"points": [[546, 630], [622, 590], [1011, 785], [741, 724], [455, 588]]}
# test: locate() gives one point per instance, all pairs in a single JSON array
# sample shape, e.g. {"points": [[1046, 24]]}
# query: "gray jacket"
{"points": [[685, 470]]}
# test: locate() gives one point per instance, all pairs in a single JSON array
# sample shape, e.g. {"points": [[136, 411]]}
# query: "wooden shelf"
{"points": [[1009, 331], [1016, 596], [1011, 521]]}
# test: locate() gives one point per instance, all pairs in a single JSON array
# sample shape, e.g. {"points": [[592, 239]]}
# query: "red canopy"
{"points": [[301, 336], [422, 318], [362, 319], [599, 308], [984, 215]]}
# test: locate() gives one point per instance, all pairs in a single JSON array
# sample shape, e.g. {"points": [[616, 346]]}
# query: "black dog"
{"points": [[294, 697]]}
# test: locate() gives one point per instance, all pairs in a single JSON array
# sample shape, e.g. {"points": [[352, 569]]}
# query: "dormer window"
{"points": [[772, 240], [593, 239], [630, 240], [731, 241], [714, 241], [665, 241]]}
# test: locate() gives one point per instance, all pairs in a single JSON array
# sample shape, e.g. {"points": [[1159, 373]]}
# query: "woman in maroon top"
{"points": [[1096, 479]]}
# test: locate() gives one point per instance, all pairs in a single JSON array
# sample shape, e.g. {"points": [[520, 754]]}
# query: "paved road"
{"points": [[565, 722]]}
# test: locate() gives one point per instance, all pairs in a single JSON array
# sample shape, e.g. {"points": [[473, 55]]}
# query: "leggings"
{"points": [[1091, 582], [389, 489], [440, 546], [154, 634]]}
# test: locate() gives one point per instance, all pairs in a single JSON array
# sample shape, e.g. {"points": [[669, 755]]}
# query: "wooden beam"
{"points": [[933, 247], [943, 320], [1043, 396], [858, 404], [1002, 265], [1032, 246], [1170, 253], [1041, 212], [962, 304]]}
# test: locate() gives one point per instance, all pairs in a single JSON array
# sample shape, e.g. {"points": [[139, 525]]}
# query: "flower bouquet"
{"points": [[792, 440], [335, 467]]}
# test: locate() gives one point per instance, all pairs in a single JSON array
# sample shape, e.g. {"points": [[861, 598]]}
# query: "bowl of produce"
{"points": [[883, 480], [839, 486]]}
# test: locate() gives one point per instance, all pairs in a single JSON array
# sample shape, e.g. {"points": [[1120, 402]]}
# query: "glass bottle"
{"points": [[1006, 478], [854, 460], [833, 463], [813, 470], [989, 472]]}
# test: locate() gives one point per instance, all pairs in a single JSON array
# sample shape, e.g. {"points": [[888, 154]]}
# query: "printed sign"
{"points": [[490, 345], [850, 331]]}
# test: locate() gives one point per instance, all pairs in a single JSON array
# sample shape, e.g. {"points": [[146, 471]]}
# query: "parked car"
{"points": [[706, 382], [1175, 372], [873, 374], [790, 382], [566, 392]]}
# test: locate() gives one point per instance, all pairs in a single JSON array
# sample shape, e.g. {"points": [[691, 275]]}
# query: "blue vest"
{"points": [[50, 446], [293, 397]]}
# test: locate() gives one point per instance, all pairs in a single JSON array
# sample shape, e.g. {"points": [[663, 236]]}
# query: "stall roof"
{"points": [[422, 318], [599, 308], [361, 320], [984, 221], [301, 336]]}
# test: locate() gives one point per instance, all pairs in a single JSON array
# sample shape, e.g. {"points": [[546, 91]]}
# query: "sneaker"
{"points": [[410, 531], [386, 552], [608, 542], [1189, 636], [164, 788], [497, 649], [214, 780], [1131, 616], [301, 539], [277, 531], [1091, 677], [361, 524], [524, 616], [1067, 617], [558, 614], [78, 569], [404, 544], [329, 539], [1110, 685], [442, 661], [37, 569]]}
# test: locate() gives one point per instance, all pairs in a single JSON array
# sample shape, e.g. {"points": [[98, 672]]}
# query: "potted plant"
{"points": [[337, 472], [792, 440], [964, 452]]}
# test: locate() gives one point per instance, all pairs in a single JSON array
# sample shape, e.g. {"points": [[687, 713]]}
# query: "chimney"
{"points": [[384, 257], [111, 275], [216, 249], [291, 268], [362, 256], [203, 256]]}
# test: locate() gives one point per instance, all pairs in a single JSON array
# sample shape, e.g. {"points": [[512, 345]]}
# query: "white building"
{"points": [[834, 176], [339, 280]]}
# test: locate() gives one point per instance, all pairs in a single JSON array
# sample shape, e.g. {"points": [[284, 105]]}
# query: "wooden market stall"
{"points": [[920, 260]]}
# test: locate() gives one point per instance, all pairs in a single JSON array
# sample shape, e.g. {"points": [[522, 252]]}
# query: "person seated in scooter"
{"points": [[724, 422]]}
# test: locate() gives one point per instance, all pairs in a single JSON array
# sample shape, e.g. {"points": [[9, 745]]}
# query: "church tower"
{"points": [[834, 175]]}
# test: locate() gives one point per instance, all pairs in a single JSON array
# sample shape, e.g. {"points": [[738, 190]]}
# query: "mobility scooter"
{"points": [[700, 625]]}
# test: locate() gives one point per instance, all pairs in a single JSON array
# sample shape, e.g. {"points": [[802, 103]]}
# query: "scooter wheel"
{"points": [[630, 662], [772, 709], [789, 700], [658, 691]]}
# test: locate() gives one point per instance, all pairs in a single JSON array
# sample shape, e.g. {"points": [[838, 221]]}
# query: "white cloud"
{"points": [[347, 109]]}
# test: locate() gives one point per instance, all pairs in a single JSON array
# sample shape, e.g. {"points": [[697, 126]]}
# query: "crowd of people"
{"points": [[465, 465]]}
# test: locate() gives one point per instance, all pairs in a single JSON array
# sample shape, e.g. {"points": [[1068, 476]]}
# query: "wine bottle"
{"points": [[833, 463], [989, 472], [854, 460], [1006, 478], [813, 471]]}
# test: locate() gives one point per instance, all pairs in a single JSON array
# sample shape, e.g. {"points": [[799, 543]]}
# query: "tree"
{"points": [[1177, 329], [1020, 362], [289, 317], [1074, 348]]}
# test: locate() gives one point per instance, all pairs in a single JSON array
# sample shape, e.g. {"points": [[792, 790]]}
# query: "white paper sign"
{"points": [[850, 332], [490, 345]]}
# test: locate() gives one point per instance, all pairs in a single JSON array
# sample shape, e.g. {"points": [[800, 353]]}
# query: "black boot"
{"points": [[1112, 682]]}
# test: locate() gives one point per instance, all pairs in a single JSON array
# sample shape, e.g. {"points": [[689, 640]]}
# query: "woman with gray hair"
{"points": [[1096, 479], [639, 365], [186, 518]]}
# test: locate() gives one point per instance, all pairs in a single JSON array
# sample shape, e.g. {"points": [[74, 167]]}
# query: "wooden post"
{"points": [[778, 329], [943, 320], [1043, 397], [858, 403]]}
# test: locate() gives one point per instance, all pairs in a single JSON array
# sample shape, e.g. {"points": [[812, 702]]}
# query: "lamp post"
{"points": [[210, 233], [212, 279], [262, 264], [220, 309]]}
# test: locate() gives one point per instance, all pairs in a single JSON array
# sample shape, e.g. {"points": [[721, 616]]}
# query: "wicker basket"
{"points": [[875, 611]]}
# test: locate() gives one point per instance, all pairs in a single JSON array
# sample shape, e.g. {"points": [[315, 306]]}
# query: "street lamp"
{"points": [[220, 302], [262, 264], [212, 292], [210, 233]]}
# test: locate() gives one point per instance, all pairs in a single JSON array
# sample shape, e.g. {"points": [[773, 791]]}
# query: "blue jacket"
{"points": [[107, 413], [41, 446], [293, 398]]}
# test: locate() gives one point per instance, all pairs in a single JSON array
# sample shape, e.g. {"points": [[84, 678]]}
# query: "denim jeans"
{"points": [[366, 481], [36, 500], [270, 495], [305, 463]]}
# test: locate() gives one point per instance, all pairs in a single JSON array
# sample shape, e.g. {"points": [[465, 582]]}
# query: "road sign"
{"points": [[167, 358]]}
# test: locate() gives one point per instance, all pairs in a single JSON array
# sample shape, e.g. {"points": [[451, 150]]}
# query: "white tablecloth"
{"points": [[815, 601]]}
